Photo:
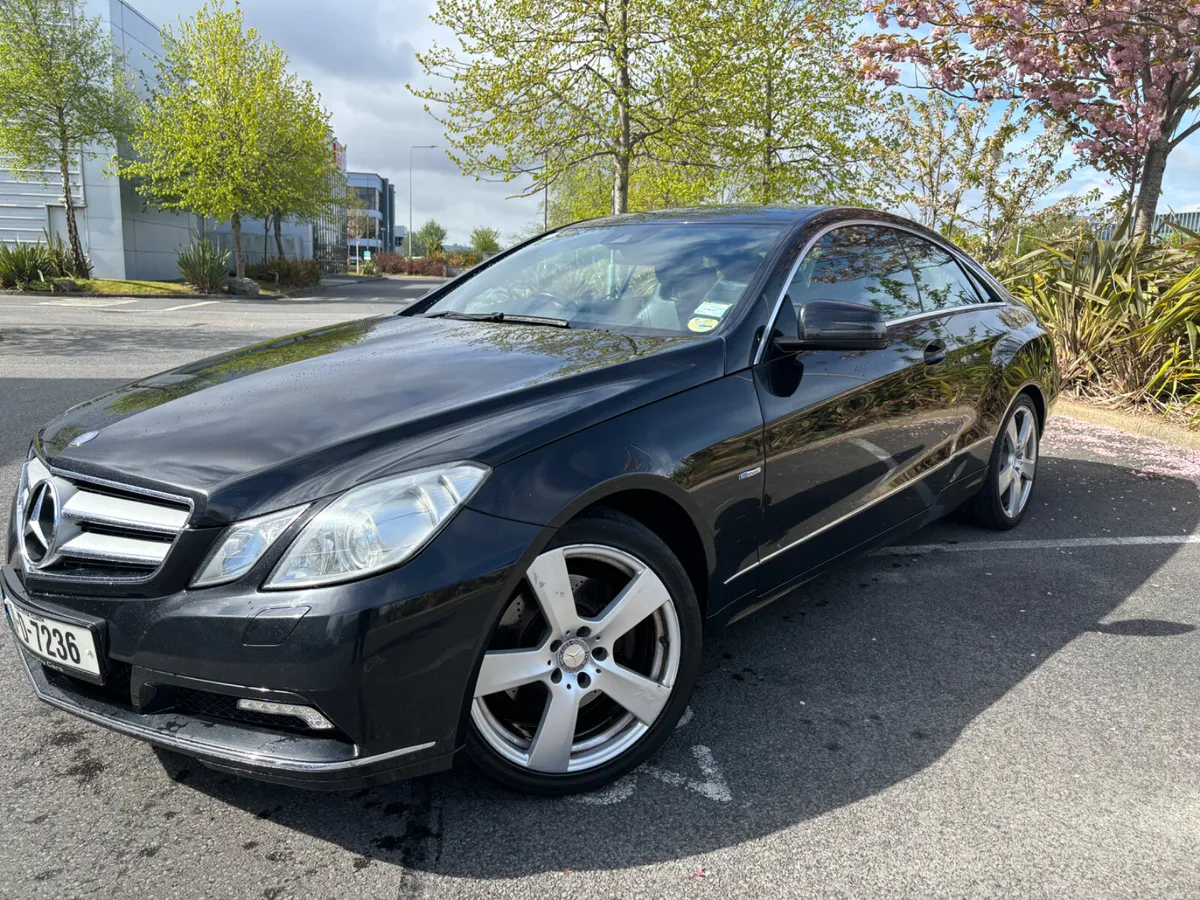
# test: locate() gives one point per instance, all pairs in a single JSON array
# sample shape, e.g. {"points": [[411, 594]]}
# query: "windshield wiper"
{"points": [[501, 317]]}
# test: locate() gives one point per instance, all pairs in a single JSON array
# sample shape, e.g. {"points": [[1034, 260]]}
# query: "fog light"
{"points": [[306, 714]]}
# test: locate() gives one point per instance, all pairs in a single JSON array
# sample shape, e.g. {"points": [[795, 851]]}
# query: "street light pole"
{"points": [[410, 222]]}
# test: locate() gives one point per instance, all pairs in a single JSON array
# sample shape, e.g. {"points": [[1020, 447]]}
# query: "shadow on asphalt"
{"points": [[865, 678]]}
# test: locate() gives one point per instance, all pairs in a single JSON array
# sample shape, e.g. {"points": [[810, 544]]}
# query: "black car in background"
{"points": [[505, 518]]}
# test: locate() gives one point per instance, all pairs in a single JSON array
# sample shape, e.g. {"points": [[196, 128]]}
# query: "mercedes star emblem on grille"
{"points": [[40, 530]]}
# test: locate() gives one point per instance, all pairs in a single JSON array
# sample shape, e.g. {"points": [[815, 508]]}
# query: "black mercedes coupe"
{"points": [[504, 519]]}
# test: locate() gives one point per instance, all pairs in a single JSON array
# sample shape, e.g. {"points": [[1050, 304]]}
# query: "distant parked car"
{"points": [[504, 518]]}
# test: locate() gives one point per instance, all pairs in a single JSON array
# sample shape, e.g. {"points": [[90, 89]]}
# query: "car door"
{"points": [[972, 324], [847, 431]]}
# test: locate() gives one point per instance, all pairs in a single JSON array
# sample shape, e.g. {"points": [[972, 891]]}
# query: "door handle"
{"points": [[935, 353]]}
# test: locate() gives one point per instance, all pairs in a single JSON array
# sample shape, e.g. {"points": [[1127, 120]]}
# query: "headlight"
{"points": [[243, 546], [376, 526]]}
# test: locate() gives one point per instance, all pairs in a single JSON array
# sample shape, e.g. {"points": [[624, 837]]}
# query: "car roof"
{"points": [[789, 215]]}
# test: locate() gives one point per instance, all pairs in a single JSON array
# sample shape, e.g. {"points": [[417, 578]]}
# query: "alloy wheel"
{"points": [[1018, 462], [583, 663]]}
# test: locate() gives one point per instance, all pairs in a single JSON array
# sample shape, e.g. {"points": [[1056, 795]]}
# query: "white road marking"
{"points": [[1045, 544], [713, 785], [189, 305], [617, 792], [86, 302]]}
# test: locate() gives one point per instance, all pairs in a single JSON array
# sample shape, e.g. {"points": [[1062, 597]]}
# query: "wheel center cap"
{"points": [[573, 655]]}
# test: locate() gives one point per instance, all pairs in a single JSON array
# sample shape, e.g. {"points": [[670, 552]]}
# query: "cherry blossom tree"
{"points": [[1122, 76]]}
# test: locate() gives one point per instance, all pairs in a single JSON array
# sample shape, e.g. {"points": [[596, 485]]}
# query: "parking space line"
{"points": [[189, 305], [1045, 544], [86, 303]]}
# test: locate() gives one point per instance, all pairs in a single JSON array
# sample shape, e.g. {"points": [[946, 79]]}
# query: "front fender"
{"points": [[708, 464]]}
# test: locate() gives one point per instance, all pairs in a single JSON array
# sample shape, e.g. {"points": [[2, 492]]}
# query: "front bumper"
{"points": [[387, 660]]}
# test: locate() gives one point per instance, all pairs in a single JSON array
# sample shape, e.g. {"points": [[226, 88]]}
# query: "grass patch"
{"points": [[116, 287]]}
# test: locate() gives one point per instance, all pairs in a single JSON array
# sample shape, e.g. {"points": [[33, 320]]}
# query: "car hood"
{"points": [[294, 419]]}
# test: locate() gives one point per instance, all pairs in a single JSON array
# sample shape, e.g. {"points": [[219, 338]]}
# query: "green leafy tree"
{"points": [[206, 133], [585, 191], [485, 240], [955, 168], [540, 87], [430, 237], [789, 119], [62, 85], [300, 179]]}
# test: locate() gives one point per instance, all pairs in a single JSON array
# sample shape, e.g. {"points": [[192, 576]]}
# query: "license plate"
{"points": [[68, 646]]}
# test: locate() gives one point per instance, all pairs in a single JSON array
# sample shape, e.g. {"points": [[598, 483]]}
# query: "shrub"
{"points": [[203, 266], [468, 258], [424, 265], [1124, 315], [63, 260], [389, 263], [24, 264], [395, 264], [485, 240], [368, 267], [286, 272]]}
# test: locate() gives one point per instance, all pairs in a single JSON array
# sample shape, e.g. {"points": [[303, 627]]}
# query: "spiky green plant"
{"points": [[23, 264], [62, 260], [202, 265], [1124, 314]]}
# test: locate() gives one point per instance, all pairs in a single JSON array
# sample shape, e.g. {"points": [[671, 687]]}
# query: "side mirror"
{"points": [[837, 325]]}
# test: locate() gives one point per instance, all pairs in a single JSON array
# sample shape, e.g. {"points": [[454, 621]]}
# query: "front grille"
{"points": [[70, 527]]}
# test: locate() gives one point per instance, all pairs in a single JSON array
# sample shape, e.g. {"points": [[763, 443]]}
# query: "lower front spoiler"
{"points": [[295, 760]]}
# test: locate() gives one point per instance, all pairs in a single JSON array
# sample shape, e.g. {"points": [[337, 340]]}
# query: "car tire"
{"points": [[1012, 467], [599, 644]]}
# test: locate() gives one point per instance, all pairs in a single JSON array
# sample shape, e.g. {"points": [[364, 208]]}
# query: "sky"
{"points": [[359, 54]]}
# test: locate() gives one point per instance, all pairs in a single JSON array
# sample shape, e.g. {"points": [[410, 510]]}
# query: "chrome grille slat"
{"points": [[102, 531], [110, 548], [118, 512]]}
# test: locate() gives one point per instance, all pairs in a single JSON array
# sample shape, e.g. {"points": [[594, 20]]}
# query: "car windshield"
{"points": [[678, 278]]}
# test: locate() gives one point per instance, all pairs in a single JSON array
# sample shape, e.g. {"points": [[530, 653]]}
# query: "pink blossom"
{"points": [[1109, 68]]}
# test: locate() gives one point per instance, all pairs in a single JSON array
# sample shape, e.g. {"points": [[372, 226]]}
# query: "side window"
{"points": [[941, 280], [860, 264]]}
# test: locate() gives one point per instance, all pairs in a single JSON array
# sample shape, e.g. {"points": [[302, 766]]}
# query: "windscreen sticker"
{"points": [[701, 324], [708, 308]]}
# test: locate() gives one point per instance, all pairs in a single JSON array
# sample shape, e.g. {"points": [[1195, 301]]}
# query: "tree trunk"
{"points": [[278, 236], [624, 150], [266, 236], [69, 204], [239, 261], [1151, 186], [768, 150]]}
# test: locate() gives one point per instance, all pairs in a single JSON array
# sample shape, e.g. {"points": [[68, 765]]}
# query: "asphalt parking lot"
{"points": [[974, 714]]}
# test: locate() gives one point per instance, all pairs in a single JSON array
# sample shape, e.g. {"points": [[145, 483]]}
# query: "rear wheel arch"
{"points": [[1036, 394]]}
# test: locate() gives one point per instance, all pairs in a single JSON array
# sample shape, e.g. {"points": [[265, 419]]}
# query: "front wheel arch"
{"points": [[659, 504]]}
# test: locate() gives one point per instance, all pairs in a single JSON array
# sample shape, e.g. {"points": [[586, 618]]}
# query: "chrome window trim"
{"points": [[846, 223], [863, 507]]}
